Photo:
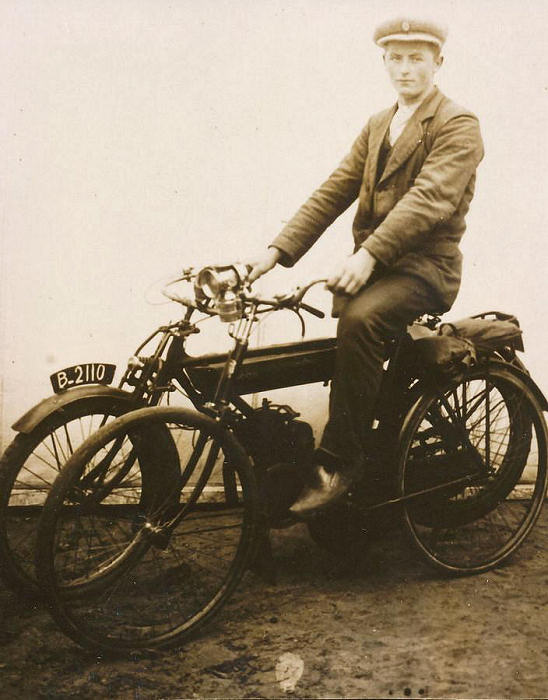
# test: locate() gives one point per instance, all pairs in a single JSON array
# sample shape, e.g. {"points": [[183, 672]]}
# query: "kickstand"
{"points": [[263, 564]]}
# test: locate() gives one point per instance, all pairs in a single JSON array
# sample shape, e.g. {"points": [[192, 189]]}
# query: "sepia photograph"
{"points": [[273, 396]]}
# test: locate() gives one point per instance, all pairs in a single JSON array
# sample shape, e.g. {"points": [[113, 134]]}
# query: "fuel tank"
{"points": [[269, 367]]}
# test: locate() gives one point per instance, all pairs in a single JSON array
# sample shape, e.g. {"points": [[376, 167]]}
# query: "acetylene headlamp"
{"points": [[219, 286]]}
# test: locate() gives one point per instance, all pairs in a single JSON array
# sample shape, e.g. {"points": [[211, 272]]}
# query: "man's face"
{"points": [[411, 66]]}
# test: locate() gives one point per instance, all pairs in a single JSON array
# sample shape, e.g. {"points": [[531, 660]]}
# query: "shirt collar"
{"points": [[409, 109]]}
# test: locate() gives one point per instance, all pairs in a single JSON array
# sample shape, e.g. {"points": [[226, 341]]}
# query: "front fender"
{"points": [[58, 402]]}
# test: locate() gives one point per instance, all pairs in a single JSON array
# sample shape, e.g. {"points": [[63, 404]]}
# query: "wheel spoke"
{"points": [[154, 573], [475, 527], [29, 468]]}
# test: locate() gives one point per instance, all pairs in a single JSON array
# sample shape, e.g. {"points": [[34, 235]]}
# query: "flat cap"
{"points": [[410, 29]]}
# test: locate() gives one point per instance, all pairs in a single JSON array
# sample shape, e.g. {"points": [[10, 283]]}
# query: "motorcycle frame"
{"points": [[215, 381]]}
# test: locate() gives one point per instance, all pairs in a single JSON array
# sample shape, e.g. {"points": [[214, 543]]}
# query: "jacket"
{"points": [[411, 218]]}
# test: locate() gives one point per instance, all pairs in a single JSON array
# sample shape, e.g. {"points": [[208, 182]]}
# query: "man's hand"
{"points": [[264, 264], [350, 277]]}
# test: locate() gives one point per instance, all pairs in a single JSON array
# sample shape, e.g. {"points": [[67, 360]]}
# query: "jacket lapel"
{"points": [[376, 138], [412, 135]]}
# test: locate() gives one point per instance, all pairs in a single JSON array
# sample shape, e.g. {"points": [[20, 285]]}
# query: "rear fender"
{"points": [[58, 402], [533, 386], [517, 368], [431, 383]]}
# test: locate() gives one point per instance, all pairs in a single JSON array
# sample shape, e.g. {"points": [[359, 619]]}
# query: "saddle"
{"points": [[461, 343]]}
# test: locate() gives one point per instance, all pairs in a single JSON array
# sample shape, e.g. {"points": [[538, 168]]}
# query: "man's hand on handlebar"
{"points": [[348, 278], [353, 273], [264, 264]]}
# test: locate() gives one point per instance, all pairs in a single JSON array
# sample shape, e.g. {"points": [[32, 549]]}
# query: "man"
{"points": [[412, 169]]}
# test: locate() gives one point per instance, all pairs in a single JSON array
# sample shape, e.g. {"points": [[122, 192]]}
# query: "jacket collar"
{"points": [[411, 136]]}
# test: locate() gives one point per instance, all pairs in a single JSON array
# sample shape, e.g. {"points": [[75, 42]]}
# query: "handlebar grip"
{"points": [[312, 310]]}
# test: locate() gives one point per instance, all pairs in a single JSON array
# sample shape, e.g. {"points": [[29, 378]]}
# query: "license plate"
{"points": [[89, 373]]}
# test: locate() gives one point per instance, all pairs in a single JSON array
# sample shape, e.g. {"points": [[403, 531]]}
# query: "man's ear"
{"points": [[439, 62]]}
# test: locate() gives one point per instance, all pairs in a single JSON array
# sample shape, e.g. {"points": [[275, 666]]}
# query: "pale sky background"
{"points": [[141, 136]]}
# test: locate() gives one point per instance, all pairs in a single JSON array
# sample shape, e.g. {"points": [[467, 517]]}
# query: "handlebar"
{"points": [[312, 310], [292, 301], [295, 299]]}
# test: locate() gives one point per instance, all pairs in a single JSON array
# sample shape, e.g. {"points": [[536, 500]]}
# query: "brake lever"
{"points": [[301, 319], [191, 305], [301, 291]]}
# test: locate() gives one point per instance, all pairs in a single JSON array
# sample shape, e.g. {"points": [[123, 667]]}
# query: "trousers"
{"points": [[376, 314]]}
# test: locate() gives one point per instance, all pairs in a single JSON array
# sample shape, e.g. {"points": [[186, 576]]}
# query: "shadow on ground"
{"points": [[381, 625]]}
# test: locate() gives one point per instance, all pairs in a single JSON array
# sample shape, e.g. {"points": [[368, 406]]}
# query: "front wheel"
{"points": [[121, 576], [472, 469]]}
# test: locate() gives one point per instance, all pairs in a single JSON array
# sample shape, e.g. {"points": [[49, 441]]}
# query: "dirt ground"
{"points": [[385, 626]]}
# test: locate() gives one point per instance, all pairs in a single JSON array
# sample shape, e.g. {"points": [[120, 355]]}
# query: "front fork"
{"points": [[219, 409], [222, 396], [240, 332]]}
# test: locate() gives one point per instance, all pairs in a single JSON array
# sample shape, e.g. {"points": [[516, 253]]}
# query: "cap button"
{"points": [[405, 26]]}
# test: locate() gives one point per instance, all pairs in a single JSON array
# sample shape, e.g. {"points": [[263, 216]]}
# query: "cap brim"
{"points": [[410, 36]]}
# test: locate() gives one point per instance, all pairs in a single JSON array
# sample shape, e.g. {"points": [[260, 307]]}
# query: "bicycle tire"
{"points": [[144, 585], [28, 468], [468, 445]]}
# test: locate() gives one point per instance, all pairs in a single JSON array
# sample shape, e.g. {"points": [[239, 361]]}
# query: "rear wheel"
{"points": [[472, 470], [28, 469], [123, 577]]}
